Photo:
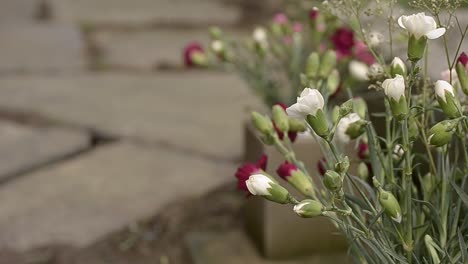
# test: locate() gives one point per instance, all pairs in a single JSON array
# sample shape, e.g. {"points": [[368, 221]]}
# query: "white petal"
{"points": [[258, 184], [400, 22], [436, 33]]}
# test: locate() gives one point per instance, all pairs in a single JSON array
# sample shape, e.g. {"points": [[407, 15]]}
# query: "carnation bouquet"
{"points": [[409, 202]]}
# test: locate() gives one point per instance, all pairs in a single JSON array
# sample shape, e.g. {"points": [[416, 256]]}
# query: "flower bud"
{"points": [[356, 128], [441, 133], [342, 166], [363, 150], [328, 63], [216, 33], [398, 67], [296, 178], [395, 91], [335, 114], [308, 208], [322, 166], [390, 205], [462, 71], [194, 55], [332, 181], [280, 118], [343, 126], [398, 152], [296, 125], [333, 82], [312, 65], [262, 123], [262, 185], [413, 129], [363, 171], [360, 107], [260, 38], [346, 108], [359, 70], [446, 98], [319, 123]]}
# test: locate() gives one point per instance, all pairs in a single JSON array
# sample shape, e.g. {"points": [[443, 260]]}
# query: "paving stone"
{"points": [[24, 148], [81, 200], [235, 248], [40, 48], [148, 49], [146, 12], [13, 11], [200, 112]]}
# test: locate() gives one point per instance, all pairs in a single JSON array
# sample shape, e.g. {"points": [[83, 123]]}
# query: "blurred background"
{"points": [[111, 150]]}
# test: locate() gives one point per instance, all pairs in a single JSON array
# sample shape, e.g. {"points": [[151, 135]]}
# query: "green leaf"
{"points": [[463, 247], [461, 193]]}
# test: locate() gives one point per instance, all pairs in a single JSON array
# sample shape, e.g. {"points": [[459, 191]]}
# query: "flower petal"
{"points": [[400, 22], [436, 33]]}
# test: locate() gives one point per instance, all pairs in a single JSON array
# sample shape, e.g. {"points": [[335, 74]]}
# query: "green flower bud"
{"points": [[363, 171], [360, 107], [308, 208], [441, 133], [446, 97], [262, 123], [395, 91], [390, 205], [333, 81], [312, 65], [342, 166], [328, 63], [356, 129], [413, 129], [199, 59], [427, 183], [398, 67], [296, 125], [215, 33], [332, 181], [416, 47], [319, 123], [289, 172], [346, 108], [335, 114], [280, 118]]}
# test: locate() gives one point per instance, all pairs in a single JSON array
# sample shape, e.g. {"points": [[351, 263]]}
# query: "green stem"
{"points": [[407, 189]]}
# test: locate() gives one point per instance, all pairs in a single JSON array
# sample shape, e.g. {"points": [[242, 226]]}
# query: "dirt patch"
{"points": [[160, 239]]}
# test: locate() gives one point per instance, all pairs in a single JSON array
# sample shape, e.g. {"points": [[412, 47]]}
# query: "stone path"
{"points": [[86, 150]]}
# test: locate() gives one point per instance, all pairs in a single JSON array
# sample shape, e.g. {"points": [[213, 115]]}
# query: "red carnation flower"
{"points": [[463, 59], [313, 13], [322, 166], [189, 50], [286, 170], [363, 150], [343, 41], [245, 171], [362, 53]]}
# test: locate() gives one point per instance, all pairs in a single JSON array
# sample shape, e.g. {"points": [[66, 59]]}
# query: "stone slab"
{"points": [[145, 12], [24, 148], [79, 201], [13, 11], [41, 48], [148, 49], [235, 248], [199, 112]]}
